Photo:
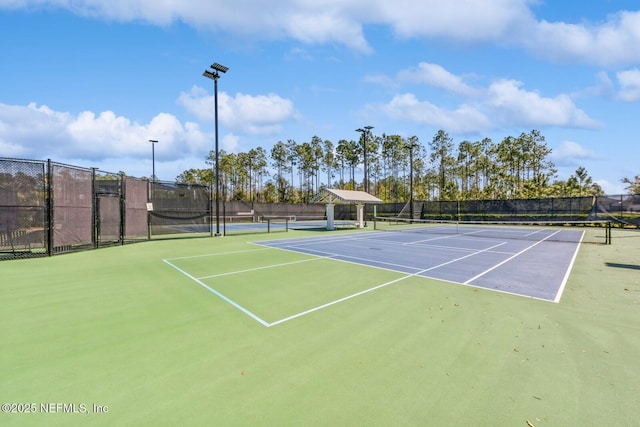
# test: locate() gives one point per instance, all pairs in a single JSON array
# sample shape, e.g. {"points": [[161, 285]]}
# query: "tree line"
{"points": [[398, 169]]}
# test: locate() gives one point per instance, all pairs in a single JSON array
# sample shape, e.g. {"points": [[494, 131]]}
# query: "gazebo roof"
{"points": [[332, 195]]}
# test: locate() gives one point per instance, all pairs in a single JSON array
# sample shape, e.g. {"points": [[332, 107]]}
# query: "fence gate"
{"points": [[109, 206]]}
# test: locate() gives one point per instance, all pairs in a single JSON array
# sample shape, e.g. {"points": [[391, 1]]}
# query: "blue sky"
{"points": [[89, 82]]}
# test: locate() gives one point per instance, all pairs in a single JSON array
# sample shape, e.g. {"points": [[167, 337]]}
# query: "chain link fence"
{"points": [[47, 208]]}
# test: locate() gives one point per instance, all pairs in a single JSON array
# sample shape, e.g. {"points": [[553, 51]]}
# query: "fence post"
{"points": [[123, 206], [49, 208], [95, 229]]}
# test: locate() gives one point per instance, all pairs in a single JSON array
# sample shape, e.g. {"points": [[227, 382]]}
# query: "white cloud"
{"points": [[474, 21], [629, 81], [613, 40], [324, 26], [307, 21], [39, 132], [611, 187], [10, 149], [198, 102], [527, 108], [570, 153], [248, 114], [230, 143], [313, 22], [407, 107], [504, 103], [436, 75]]}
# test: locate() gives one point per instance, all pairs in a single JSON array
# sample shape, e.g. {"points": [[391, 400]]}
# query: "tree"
{"points": [[279, 158], [517, 167], [584, 180], [257, 169], [633, 185], [347, 152], [328, 160], [306, 166], [317, 154], [543, 169], [415, 164], [393, 153], [292, 157], [441, 147], [196, 176]]}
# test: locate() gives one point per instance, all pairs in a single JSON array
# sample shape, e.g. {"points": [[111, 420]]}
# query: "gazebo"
{"points": [[332, 196]]}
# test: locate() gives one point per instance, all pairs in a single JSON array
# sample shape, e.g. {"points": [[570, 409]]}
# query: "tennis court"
{"points": [[325, 328], [535, 267], [528, 261]]}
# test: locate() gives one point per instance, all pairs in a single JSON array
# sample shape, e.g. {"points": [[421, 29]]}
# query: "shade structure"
{"points": [[332, 196]]}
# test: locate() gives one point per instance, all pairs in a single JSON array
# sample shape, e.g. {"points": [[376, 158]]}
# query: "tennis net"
{"points": [[558, 231]]}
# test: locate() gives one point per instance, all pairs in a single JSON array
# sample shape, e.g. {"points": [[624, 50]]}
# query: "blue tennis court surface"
{"points": [[530, 263]]}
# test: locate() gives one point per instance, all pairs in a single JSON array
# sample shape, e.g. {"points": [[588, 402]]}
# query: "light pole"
{"points": [[411, 147], [364, 150], [215, 75], [153, 159]]}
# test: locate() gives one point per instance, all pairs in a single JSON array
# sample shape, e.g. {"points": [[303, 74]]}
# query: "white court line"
{"points": [[333, 255], [217, 254], [290, 247], [229, 273], [509, 259], [293, 244], [458, 249], [418, 273], [218, 294], [329, 304], [298, 241], [566, 275], [449, 236]]}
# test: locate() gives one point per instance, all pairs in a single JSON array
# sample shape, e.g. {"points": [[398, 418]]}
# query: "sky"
{"points": [[90, 82]]}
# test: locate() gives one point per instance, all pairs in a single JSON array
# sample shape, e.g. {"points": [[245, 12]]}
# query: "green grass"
{"points": [[120, 327]]}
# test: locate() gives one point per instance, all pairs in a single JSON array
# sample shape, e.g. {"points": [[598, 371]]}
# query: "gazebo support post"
{"points": [[360, 208], [330, 225]]}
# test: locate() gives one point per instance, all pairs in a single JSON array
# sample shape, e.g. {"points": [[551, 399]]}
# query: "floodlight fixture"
{"points": [[208, 74], [219, 67]]}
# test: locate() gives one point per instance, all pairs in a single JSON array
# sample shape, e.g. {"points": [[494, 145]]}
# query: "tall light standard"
{"points": [[364, 132], [215, 75], [153, 159], [411, 146]]}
